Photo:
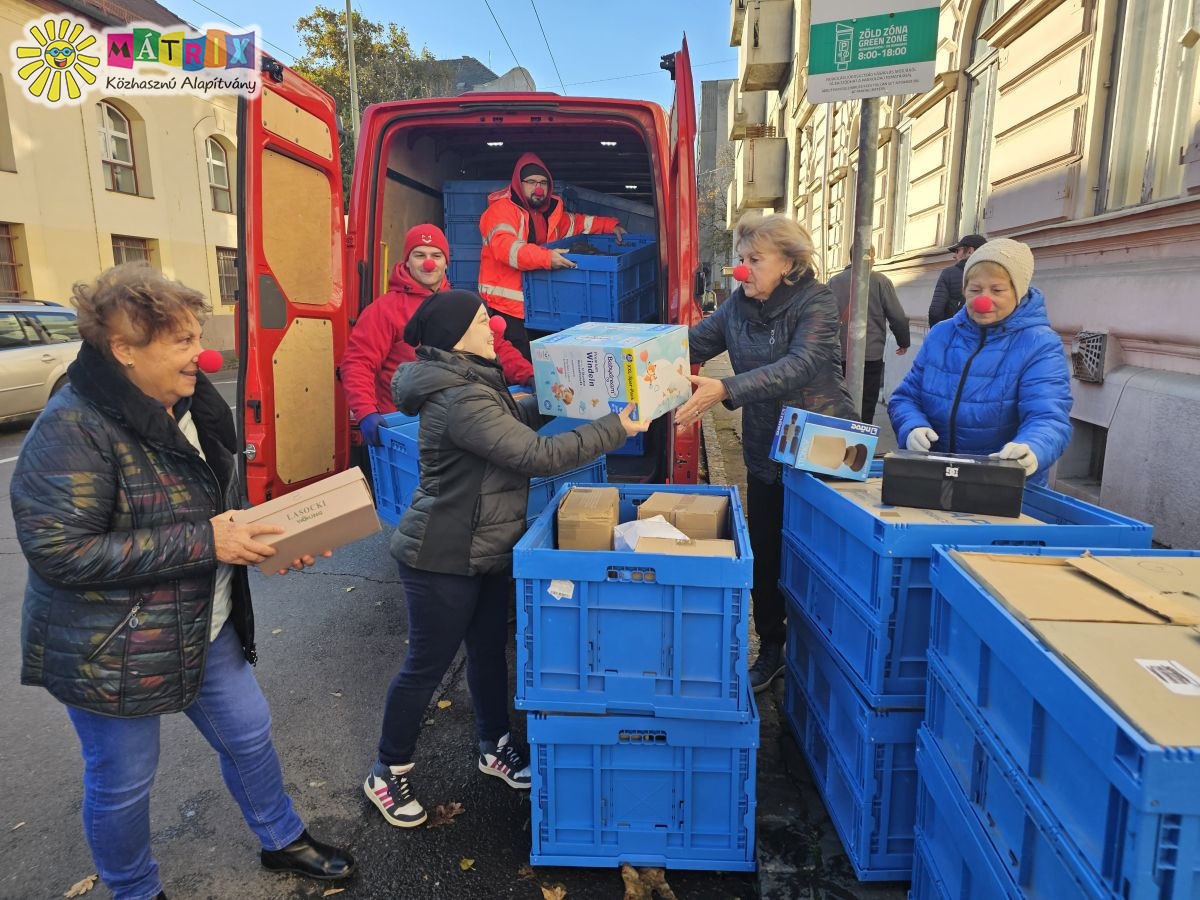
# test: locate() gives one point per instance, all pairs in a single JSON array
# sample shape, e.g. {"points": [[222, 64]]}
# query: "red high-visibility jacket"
{"points": [[512, 233]]}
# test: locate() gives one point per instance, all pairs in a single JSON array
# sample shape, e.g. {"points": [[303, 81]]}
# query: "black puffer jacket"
{"points": [[112, 508], [784, 352], [478, 449]]}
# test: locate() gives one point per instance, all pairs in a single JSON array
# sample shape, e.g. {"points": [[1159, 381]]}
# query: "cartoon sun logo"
{"points": [[57, 60]]}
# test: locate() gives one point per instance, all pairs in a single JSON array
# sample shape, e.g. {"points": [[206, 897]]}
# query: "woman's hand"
{"points": [[709, 392], [305, 561], [235, 543], [632, 428]]}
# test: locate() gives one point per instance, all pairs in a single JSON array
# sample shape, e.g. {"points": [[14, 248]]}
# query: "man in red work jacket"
{"points": [[517, 221], [376, 346]]}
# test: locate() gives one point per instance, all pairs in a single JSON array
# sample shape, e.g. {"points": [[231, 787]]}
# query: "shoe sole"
{"points": [[391, 819], [758, 689], [516, 785]]}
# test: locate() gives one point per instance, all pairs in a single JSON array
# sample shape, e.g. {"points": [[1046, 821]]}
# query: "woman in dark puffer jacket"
{"points": [[138, 603], [478, 449]]}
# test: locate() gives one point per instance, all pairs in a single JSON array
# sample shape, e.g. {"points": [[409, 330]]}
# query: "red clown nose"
{"points": [[982, 304], [210, 361], [429, 265], [741, 273], [497, 325]]}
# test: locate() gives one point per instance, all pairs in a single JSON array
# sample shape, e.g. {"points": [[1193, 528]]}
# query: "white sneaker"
{"points": [[505, 760], [389, 789]]}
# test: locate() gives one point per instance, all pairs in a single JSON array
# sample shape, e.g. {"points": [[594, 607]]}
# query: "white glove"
{"points": [[1022, 454], [921, 439]]}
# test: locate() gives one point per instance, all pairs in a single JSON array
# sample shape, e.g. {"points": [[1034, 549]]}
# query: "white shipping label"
{"points": [[562, 589], [1174, 676]]}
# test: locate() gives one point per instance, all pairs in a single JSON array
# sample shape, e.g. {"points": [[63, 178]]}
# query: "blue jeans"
{"points": [[120, 757]]}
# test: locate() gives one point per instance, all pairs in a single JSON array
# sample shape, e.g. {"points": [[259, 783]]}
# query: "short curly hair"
{"points": [[135, 300]]}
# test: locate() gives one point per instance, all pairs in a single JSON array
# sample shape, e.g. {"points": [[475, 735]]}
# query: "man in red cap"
{"points": [[518, 220], [376, 346]]}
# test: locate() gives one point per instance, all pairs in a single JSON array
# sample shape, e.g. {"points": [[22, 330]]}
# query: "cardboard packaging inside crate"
{"points": [[953, 482], [869, 495], [324, 515], [699, 516], [1126, 624], [689, 547], [587, 517]]}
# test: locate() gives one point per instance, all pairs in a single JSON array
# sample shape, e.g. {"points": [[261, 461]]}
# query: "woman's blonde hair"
{"points": [[134, 300], [781, 234]]}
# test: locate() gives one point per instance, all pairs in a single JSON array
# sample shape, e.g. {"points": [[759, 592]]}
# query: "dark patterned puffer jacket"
{"points": [[784, 352], [478, 450], [111, 505]]}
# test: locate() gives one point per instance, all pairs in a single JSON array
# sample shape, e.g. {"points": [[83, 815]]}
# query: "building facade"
{"points": [[1072, 125], [115, 179]]}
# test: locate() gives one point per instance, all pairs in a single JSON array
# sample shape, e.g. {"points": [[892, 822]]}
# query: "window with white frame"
{"points": [[903, 144], [1154, 82], [218, 175], [116, 147], [977, 138]]}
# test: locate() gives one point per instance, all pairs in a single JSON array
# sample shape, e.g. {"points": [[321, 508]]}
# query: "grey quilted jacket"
{"points": [[478, 449], [784, 352]]}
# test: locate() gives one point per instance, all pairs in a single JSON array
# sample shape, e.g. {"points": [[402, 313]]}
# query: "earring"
{"points": [[130, 364]]}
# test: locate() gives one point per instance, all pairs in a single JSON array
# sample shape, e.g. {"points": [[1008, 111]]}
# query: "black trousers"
{"points": [[764, 507], [445, 611], [872, 384]]}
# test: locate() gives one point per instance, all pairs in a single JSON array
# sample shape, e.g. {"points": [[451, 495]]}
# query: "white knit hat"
{"points": [[1012, 256]]}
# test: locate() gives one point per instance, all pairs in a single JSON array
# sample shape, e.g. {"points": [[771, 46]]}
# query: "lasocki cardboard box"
{"points": [[587, 517], [592, 369], [824, 444], [321, 516], [700, 516]]}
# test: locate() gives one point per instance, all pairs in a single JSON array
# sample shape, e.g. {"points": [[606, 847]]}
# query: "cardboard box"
{"points": [[700, 516], [687, 548], [824, 444], [952, 481], [1126, 624], [869, 495], [590, 370], [587, 517], [321, 516]]}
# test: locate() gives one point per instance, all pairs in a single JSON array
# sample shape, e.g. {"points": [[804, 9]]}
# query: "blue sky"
{"points": [[614, 46]]}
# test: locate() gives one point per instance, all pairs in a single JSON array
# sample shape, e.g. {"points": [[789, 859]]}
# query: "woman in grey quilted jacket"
{"points": [[780, 329], [477, 449]]}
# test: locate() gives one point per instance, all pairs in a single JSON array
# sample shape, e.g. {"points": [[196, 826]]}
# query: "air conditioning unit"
{"points": [[766, 55], [745, 111]]}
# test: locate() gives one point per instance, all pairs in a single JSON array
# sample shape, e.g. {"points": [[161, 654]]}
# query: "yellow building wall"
{"points": [[66, 216]]}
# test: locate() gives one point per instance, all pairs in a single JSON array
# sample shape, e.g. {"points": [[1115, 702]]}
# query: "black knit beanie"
{"points": [[443, 319], [530, 169]]}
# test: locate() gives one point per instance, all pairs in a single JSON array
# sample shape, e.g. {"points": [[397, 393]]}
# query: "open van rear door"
{"points": [[293, 321], [682, 227]]}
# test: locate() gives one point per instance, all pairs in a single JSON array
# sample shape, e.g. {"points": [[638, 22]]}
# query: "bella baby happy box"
{"points": [[824, 444], [592, 369]]}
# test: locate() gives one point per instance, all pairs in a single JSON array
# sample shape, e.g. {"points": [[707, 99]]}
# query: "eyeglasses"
{"points": [[535, 182]]}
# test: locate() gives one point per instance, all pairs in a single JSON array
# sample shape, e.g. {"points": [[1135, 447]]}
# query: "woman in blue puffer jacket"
{"points": [[993, 379]]}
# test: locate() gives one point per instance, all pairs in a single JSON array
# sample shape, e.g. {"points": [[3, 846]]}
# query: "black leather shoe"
{"points": [[309, 857]]}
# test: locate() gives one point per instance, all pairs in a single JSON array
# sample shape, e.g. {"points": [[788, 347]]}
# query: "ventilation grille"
{"points": [[1087, 356]]}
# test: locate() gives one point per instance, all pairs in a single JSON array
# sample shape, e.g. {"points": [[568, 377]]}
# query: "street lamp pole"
{"points": [[354, 110], [860, 265]]}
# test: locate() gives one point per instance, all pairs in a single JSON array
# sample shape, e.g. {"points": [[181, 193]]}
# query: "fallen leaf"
{"points": [[332, 891], [656, 880], [634, 889], [443, 704], [525, 872], [276, 631], [444, 815], [18, 825], [466, 864], [335, 693], [348, 590], [429, 721], [553, 892], [316, 784], [79, 888]]}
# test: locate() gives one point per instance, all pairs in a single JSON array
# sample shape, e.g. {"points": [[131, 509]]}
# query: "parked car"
{"points": [[38, 340]]}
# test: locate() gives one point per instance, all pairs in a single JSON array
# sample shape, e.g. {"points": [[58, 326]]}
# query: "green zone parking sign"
{"points": [[871, 48]]}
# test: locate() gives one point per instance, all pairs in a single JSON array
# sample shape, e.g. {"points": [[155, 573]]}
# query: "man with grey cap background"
{"points": [[948, 292]]}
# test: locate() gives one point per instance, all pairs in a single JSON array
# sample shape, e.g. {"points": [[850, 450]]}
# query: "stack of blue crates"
{"points": [[642, 728], [1031, 783], [858, 594], [463, 203]]}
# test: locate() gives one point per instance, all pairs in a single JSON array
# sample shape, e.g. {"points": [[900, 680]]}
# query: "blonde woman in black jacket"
{"points": [[478, 449]]}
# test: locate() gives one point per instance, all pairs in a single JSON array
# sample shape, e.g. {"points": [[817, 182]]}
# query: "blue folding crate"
{"points": [[606, 631], [632, 447], [1033, 849], [462, 198], [1130, 806], [619, 288], [543, 490], [953, 858], [648, 791], [881, 569], [881, 659], [862, 759], [463, 274], [462, 233]]}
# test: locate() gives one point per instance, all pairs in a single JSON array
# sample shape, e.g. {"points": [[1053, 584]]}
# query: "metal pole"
{"points": [[355, 112], [860, 271], [825, 192]]}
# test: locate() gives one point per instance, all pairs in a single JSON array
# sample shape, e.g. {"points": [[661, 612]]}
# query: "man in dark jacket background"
{"points": [[948, 292], [883, 306]]}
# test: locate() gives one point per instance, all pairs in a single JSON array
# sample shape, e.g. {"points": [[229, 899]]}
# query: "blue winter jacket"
{"points": [[981, 387]]}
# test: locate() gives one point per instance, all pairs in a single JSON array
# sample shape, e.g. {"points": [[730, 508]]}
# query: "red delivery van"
{"points": [[308, 270]]}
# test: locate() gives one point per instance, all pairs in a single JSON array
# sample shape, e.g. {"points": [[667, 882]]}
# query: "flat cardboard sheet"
{"points": [[321, 516], [587, 517], [699, 516], [687, 548], [869, 495]]}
